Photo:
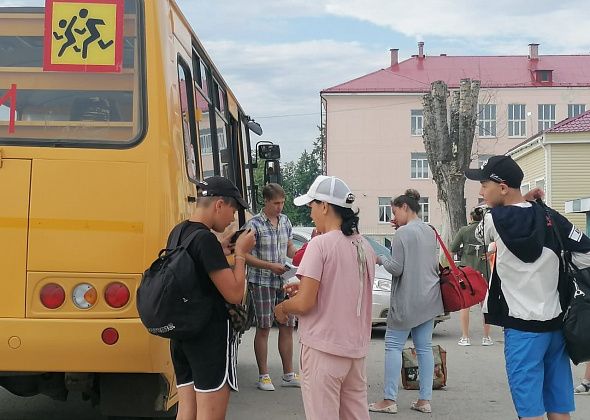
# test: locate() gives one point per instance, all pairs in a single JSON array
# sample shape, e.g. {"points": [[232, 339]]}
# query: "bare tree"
{"points": [[449, 146]]}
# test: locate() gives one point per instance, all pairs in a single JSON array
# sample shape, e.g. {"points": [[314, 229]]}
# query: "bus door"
{"points": [[15, 183]]}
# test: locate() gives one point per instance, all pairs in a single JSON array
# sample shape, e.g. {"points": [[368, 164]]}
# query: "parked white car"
{"points": [[381, 283]]}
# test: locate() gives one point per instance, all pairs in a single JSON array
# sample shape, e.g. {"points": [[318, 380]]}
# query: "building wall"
{"points": [[369, 144], [570, 177], [533, 166]]}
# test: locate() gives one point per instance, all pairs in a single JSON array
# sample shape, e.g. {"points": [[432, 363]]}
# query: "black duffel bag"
{"points": [[576, 321]]}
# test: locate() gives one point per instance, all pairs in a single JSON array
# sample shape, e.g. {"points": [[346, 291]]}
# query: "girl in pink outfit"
{"points": [[333, 303]]}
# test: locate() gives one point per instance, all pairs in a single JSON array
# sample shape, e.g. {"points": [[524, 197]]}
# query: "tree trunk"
{"points": [[449, 147]]}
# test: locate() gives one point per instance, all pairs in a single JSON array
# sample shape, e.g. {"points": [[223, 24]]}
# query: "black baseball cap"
{"points": [[218, 186], [501, 169]]}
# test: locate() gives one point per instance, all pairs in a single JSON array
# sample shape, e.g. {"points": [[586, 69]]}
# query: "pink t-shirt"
{"points": [[340, 322]]}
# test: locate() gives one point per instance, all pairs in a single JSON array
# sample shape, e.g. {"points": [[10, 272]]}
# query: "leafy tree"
{"points": [[296, 179]]}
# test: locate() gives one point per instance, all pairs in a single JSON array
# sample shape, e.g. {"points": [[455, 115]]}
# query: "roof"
{"points": [[417, 73], [579, 124]]}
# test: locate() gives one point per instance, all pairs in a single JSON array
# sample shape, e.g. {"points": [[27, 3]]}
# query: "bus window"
{"points": [[74, 108], [247, 162], [188, 121], [205, 144]]}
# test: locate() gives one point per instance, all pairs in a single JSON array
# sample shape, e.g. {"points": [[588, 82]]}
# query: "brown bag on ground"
{"points": [[411, 375]]}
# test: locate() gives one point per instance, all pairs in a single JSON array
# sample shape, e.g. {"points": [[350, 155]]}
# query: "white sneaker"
{"points": [[487, 341], [583, 388], [265, 383], [291, 380], [464, 341]]}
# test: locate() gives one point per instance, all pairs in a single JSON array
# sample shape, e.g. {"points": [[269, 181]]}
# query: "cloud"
{"points": [[497, 26], [275, 83]]}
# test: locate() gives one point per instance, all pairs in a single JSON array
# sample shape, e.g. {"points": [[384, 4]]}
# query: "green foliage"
{"points": [[296, 180]]}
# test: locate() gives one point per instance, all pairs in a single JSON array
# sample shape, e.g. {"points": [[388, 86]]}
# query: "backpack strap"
{"points": [[175, 235]]}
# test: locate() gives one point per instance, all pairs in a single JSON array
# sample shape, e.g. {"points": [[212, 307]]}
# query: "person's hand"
{"points": [[281, 316], [278, 268], [534, 194], [394, 224], [245, 243], [379, 260], [227, 245], [291, 289]]}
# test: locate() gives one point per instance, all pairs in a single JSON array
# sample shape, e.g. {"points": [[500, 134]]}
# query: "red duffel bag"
{"points": [[461, 287]]}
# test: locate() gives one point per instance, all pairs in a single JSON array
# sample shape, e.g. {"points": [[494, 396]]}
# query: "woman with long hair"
{"points": [[415, 301], [333, 302]]}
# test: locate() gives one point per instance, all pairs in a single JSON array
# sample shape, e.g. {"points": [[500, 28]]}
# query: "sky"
{"points": [[277, 55]]}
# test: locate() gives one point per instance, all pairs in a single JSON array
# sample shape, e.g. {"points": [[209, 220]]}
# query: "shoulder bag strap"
{"points": [[452, 264]]}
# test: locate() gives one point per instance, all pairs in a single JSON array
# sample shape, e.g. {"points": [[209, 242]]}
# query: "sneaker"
{"points": [[487, 341], [291, 380], [464, 341], [583, 388], [265, 383]]}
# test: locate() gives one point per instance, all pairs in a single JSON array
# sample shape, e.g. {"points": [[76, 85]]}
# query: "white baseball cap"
{"points": [[329, 189]]}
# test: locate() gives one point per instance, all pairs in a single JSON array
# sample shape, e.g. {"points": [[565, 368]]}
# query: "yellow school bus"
{"points": [[110, 111]]}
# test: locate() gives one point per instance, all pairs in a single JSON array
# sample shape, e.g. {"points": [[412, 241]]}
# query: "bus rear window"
{"points": [[84, 103]]}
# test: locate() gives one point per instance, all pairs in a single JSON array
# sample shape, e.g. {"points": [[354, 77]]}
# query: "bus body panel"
{"points": [[87, 216], [15, 178], [66, 345]]}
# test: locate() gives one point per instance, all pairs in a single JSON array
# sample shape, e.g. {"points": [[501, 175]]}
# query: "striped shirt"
{"points": [[271, 245]]}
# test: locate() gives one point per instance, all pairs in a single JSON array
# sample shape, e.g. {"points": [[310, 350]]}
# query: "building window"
{"points": [[544, 76], [487, 120], [573, 110], [546, 116], [419, 166], [516, 120], [417, 116], [387, 243], [384, 209], [540, 183], [425, 209], [525, 188]]}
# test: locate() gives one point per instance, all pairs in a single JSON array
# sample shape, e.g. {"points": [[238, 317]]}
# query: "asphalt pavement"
{"points": [[476, 387]]}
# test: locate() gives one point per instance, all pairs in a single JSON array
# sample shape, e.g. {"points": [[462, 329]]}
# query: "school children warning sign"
{"points": [[84, 35]]}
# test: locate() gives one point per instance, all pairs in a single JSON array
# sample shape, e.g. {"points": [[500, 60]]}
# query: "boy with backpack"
{"points": [[524, 296], [205, 364]]}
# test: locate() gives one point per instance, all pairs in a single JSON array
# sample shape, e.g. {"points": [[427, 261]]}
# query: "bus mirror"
{"points": [[269, 151], [272, 172], [255, 127]]}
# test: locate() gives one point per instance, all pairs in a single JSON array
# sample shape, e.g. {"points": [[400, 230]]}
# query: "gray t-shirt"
{"points": [[415, 288]]}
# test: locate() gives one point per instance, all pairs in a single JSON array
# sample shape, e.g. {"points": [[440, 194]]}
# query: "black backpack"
{"points": [[170, 299]]}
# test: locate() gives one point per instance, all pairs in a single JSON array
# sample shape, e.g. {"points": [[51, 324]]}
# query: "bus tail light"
{"points": [[52, 296], [110, 336], [84, 296], [117, 295]]}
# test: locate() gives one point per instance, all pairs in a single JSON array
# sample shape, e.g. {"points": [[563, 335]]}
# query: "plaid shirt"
{"points": [[271, 246]]}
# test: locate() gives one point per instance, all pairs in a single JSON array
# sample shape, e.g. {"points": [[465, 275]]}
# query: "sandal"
{"points": [[390, 409], [424, 408]]}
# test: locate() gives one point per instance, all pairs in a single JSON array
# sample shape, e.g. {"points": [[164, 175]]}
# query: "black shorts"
{"points": [[208, 360]]}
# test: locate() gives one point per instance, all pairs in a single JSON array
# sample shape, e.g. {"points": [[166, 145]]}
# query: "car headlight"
{"points": [[382, 285]]}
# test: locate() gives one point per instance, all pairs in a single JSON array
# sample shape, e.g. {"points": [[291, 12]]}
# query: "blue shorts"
{"points": [[539, 373]]}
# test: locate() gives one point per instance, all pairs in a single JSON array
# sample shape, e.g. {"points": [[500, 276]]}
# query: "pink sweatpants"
{"points": [[333, 387]]}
